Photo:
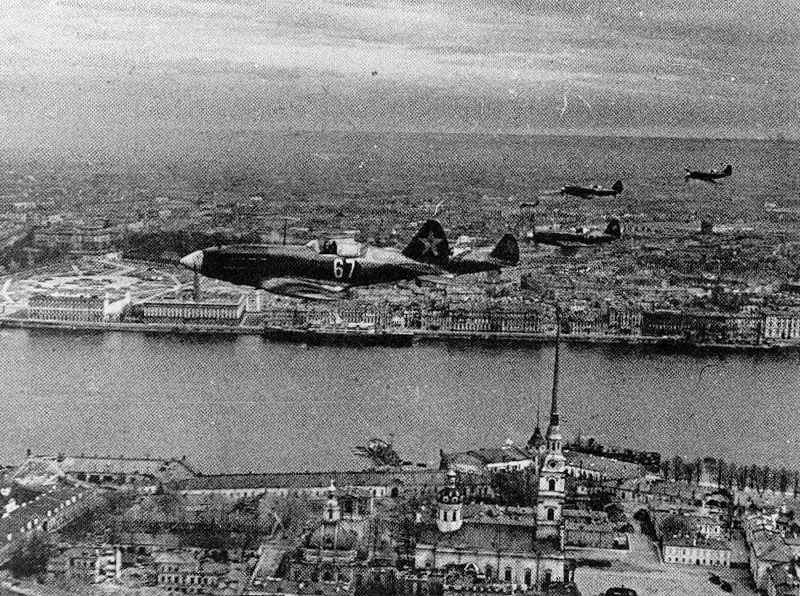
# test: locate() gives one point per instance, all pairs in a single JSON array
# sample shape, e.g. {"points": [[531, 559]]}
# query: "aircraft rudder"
{"points": [[507, 249], [614, 228], [617, 186], [429, 244]]}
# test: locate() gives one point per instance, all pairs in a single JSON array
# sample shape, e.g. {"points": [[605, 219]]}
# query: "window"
{"points": [[551, 484], [528, 577], [489, 571], [508, 574], [551, 514]]}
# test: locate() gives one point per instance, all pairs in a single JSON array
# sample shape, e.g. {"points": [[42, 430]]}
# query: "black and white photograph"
{"points": [[399, 297]]}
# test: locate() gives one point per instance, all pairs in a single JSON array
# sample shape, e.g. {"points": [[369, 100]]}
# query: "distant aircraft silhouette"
{"points": [[576, 237], [710, 176], [592, 191]]}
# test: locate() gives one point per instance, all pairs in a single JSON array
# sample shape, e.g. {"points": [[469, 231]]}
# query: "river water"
{"points": [[245, 404]]}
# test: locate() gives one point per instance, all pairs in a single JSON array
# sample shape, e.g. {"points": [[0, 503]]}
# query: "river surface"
{"points": [[244, 404]]}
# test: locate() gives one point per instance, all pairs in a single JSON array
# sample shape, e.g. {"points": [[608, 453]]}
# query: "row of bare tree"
{"points": [[731, 475]]}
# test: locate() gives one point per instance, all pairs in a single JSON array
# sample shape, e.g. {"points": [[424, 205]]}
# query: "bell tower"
{"points": [[552, 469], [449, 505], [331, 512]]}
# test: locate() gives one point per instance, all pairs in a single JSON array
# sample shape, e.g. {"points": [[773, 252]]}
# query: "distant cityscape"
{"points": [[726, 284], [537, 515]]}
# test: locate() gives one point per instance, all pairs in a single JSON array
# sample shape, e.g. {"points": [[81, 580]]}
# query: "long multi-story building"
{"points": [[379, 484], [48, 511], [782, 325], [209, 311], [694, 551], [75, 307]]}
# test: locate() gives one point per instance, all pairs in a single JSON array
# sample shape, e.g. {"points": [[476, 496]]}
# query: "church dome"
{"points": [[537, 439], [450, 494], [324, 537]]}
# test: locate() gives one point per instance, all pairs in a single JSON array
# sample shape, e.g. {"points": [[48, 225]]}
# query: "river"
{"points": [[244, 404]]}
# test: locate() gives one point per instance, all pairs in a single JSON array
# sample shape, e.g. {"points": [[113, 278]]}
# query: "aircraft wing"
{"points": [[308, 289]]}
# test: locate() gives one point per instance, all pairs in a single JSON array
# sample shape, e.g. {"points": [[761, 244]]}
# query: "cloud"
{"points": [[663, 66]]}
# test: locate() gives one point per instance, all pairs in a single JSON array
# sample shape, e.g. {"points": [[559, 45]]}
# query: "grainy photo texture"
{"points": [[399, 297]]}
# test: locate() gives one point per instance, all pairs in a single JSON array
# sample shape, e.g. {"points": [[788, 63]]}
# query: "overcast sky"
{"points": [[127, 70]]}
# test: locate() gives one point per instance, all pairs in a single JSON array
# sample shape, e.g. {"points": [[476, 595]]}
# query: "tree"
{"points": [[744, 477], [287, 514], [722, 472], [677, 468], [29, 555], [514, 487], [666, 469], [783, 480], [676, 525], [733, 472], [754, 476], [373, 587]]}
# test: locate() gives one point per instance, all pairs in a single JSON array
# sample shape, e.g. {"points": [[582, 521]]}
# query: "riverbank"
{"points": [[398, 338]]}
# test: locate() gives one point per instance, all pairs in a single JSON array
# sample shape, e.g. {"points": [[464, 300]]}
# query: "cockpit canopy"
{"points": [[342, 247]]}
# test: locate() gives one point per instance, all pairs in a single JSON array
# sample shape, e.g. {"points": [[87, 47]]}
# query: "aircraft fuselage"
{"points": [[584, 192], [561, 238], [252, 264]]}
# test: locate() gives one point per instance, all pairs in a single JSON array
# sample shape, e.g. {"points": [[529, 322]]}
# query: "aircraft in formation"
{"points": [[587, 192], [327, 270], [576, 237], [710, 176]]}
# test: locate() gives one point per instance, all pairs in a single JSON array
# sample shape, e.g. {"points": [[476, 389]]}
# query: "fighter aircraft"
{"points": [[473, 260], [575, 237], [587, 192], [710, 176], [322, 270]]}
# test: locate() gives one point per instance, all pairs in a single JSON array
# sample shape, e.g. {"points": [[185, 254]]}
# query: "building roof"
{"points": [[488, 536], [611, 468], [37, 507], [106, 464], [174, 558], [481, 458], [305, 480], [774, 550], [784, 578]]}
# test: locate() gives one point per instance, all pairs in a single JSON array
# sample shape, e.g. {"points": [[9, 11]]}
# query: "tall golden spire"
{"points": [[554, 395], [553, 436]]}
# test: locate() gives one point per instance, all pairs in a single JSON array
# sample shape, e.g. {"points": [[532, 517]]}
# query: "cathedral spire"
{"points": [[553, 432], [554, 399], [554, 395], [552, 470]]}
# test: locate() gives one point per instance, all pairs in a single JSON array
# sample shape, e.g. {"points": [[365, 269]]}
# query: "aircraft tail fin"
{"points": [[507, 250], [429, 245], [728, 170], [617, 186], [614, 228]]}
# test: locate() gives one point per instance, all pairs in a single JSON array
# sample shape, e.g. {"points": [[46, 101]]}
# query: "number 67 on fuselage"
{"points": [[325, 271]]}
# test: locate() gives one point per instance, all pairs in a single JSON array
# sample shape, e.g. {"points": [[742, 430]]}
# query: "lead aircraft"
{"points": [[327, 270]]}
